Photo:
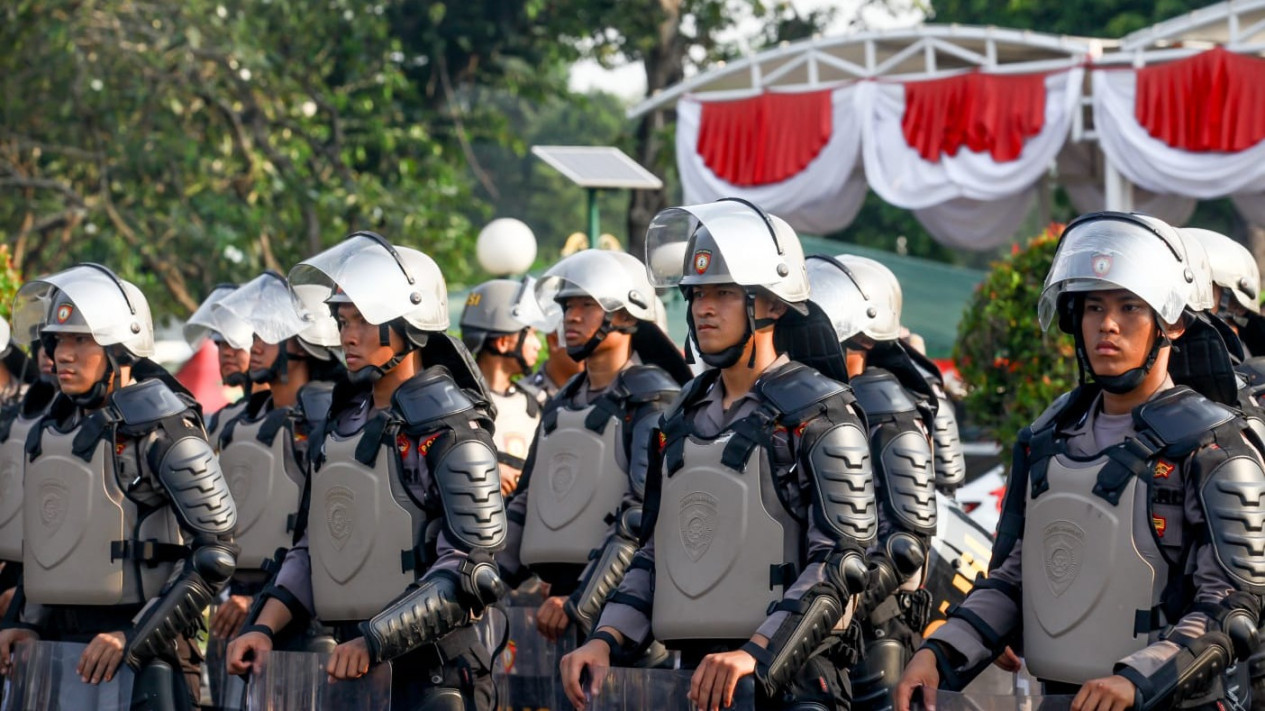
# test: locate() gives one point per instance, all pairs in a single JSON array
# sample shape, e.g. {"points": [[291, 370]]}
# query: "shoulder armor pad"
{"points": [[797, 387], [190, 472], [909, 482], [878, 393], [1181, 417], [315, 399], [147, 401], [647, 382], [1051, 414], [1231, 496], [528, 387], [429, 396], [694, 389], [840, 461], [469, 486], [1253, 369]]}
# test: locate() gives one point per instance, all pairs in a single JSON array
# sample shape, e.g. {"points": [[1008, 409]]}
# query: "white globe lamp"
{"points": [[506, 246]]}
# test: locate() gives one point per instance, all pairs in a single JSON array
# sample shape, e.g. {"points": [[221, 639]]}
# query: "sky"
{"points": [[629, 80]]}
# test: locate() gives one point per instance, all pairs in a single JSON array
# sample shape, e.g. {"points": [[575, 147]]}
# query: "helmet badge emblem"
{"points": [[702, 260], [63, 313], [1101, 264]]}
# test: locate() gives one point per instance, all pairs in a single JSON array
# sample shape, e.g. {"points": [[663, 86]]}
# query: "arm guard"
{"points": [[902, 556], [443, 602], [1231, 496], [180, 608], [811, 619], [1184, 675], [839, 461], [909, 493], [585, 604], [469, 486], [950, 460]]}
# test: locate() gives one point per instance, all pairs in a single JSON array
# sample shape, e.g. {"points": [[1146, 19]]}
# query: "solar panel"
{"points": [[598, 167]]}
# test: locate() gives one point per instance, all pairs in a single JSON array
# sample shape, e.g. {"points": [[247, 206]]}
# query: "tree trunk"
{"points": [[665, 66]]}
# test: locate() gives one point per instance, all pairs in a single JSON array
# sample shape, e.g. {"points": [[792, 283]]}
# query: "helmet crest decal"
{"points": [[64, 312], [1101, 264], [702, 260]]}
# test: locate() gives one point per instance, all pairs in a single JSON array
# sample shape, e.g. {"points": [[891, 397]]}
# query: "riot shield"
{"points": [[630, 689], [227, 691], [969, 701], [44, 679], [526, 671], [297, 680]]}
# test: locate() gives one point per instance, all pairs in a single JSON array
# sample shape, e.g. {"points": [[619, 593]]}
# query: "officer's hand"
{"points": [[102, 657], [594, 655], [8, 638], [551, 618], [350, 660], [1008, 661], [509, 479], [921, 672], [6, 598], [712, 686], [245, 653], [1109, 693], [229, 616]]}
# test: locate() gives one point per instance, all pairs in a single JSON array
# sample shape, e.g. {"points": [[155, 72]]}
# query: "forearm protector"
{"points": [[1186, 675], [443, 602], [810, 620], [180, 608], [585, 604]]}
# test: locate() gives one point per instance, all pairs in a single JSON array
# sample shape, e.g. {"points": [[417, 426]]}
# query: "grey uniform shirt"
{"points": [[1086, 438], [295, 574], [710, 418]]}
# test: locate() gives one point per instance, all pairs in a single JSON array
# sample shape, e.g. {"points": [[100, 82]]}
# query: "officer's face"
{"points": [[80, 362], [362, 344], [720, 316], [581, 317], [263, 355], [531, 347], [232, 360], [1119, 329]]}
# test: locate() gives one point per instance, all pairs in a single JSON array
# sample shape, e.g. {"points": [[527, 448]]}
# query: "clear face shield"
{"points": [[742, 246], [600, 275], [205, 322], [275, 313]]}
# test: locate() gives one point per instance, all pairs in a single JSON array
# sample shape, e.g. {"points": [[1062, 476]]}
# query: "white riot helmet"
{"points": [[1233, 268], [206, 322], [1201, 297], [276, 314], [502, 307], [1106, 251], [394, 288], [860, 295], [89, 299]]}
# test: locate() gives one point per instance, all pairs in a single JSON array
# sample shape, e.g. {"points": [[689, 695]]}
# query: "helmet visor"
{"points": [[595, 273], [267, 304], [838, 296], [743, 241], [111, 313], [371, 273]]}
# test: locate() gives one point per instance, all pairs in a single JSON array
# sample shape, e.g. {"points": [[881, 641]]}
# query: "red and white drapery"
{"points": [[965, 153]]}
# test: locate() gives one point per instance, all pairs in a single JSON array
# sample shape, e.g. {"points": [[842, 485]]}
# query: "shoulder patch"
{"points": [[878, 392], [647, 382], [147, 401], [797, 387], [1181, 417], [430, 396]]}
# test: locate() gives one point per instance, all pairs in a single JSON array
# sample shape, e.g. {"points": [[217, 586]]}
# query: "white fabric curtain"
{"points": [[822, 198], [1081, 175]]}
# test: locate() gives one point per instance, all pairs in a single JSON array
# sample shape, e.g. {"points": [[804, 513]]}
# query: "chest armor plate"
{"points": [[360, 520], [266, 484], [12, 461], [576, 484], [1086, 574], [74, 514], [718, 532], [514, 427]]}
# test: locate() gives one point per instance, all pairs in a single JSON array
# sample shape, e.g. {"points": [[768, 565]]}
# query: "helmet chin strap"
{"points": [[112, 379], [278, 372], [727, 357], [1125, 382], [373, 373], [579, 353], [516, 353]]}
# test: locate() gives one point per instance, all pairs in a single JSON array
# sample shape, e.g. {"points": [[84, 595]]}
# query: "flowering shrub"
{"points": [[1012, 370], [10, 280]]}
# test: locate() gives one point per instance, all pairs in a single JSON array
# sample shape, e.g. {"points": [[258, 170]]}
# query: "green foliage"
{"points": [[10, 281], [1012, 369], [1088, 18]]}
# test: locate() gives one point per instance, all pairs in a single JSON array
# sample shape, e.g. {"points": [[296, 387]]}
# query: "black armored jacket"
{"points": [[399, 519], [130, 509]]}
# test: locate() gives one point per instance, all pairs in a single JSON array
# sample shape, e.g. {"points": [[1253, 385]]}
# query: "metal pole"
{"points": [[593, 218]]}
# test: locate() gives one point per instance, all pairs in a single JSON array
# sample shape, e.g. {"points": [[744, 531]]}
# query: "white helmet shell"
{"points": [[726, 242], [206, 321], [114, 311], [275, 313], [1233, 266], [616, 280], [383, 281], [1201, 298], [859, 295], [1116, 250]]}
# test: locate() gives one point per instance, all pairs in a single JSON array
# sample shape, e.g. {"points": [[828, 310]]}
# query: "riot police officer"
{"points": [[584, 479], [403, 499], [232, 339], [264, 445], [130, 535], [498, 326], [1122, 528], [559, 367], [762, 593], [863, 299]]}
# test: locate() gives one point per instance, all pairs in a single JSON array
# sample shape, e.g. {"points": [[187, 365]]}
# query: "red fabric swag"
{"points": [[1211, 102], [764, 139], [993, 113]]}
